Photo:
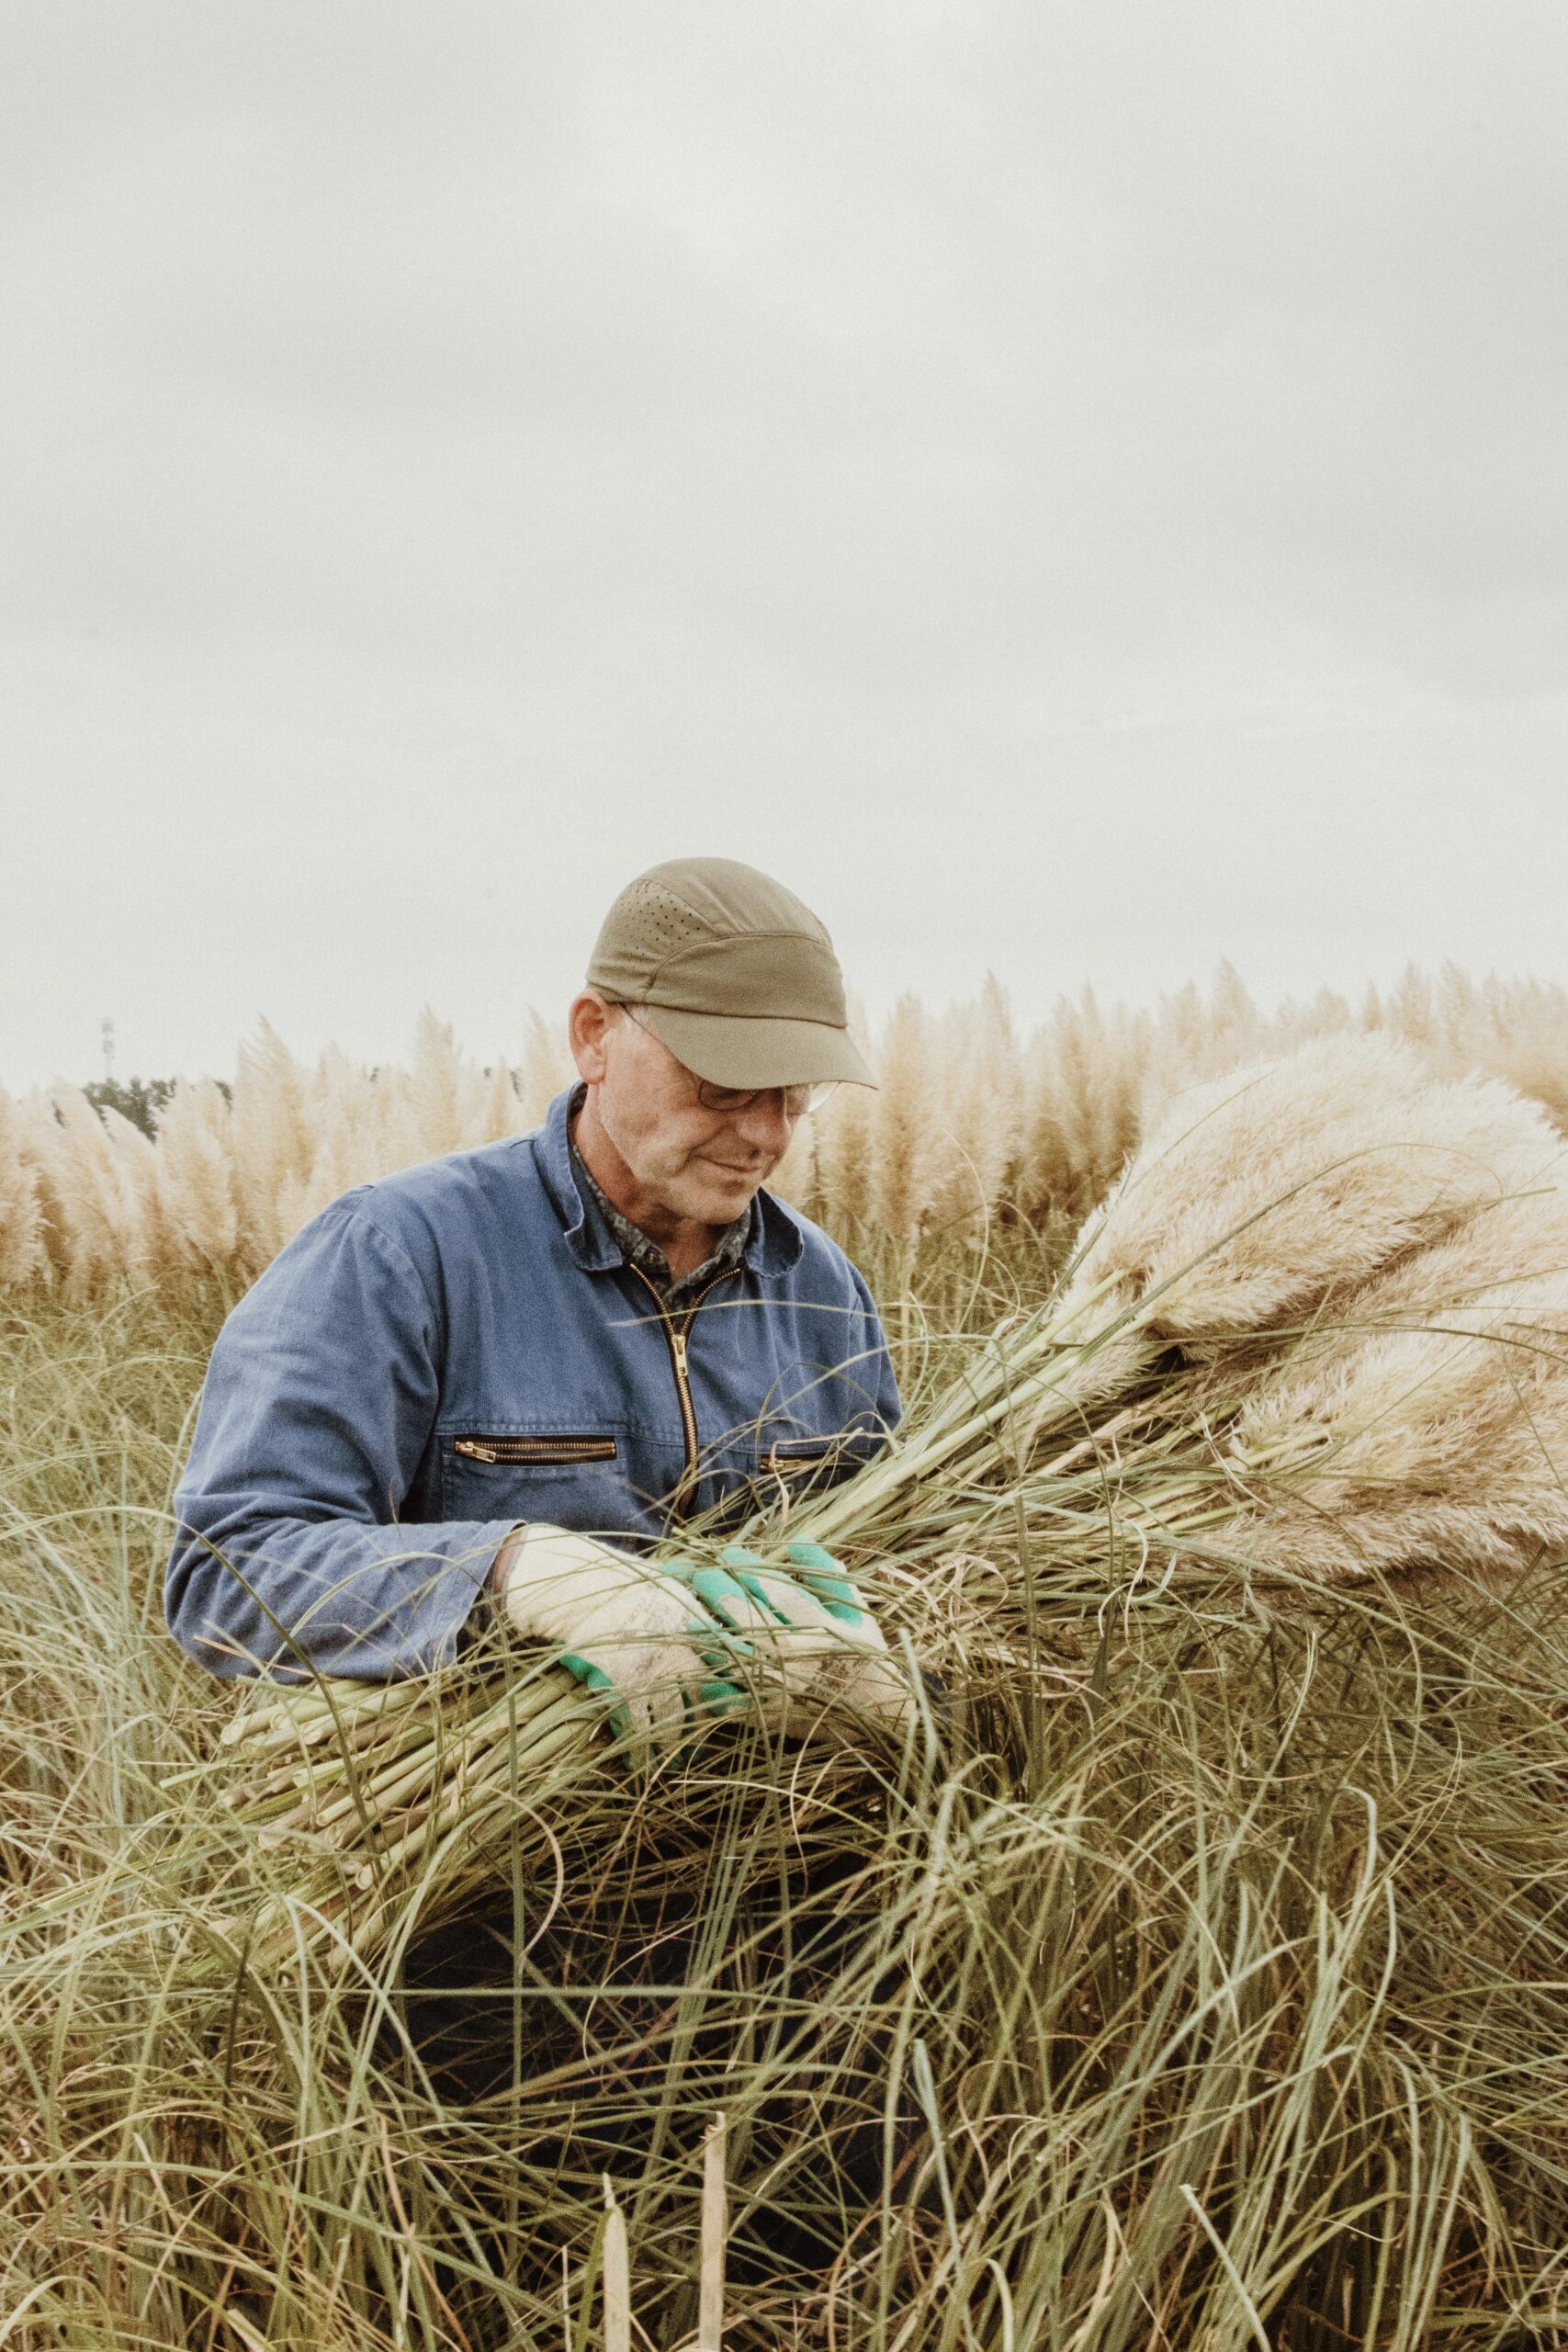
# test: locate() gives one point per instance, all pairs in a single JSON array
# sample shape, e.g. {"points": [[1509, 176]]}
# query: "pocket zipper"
{"points": [[812, 1453], [534, 1449], [778, 1459]]}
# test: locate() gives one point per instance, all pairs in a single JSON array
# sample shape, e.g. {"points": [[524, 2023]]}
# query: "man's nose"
{"points": [[765, 1123]]}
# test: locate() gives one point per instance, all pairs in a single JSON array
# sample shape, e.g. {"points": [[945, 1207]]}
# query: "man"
{"points": [[514, 1370]]}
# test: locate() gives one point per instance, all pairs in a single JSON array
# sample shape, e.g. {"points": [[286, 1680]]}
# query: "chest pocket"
{"points": [[574, 1478], [544, 1453]]}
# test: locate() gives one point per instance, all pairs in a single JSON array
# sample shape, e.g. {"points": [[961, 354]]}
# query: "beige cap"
{"points": [[734, 974]]}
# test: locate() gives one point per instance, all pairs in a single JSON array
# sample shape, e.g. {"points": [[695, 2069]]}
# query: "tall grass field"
{"points": [[1190, 1969]]}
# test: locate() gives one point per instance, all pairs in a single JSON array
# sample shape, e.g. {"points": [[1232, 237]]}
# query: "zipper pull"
{"points": [[475, 1452], [678, 1342]]}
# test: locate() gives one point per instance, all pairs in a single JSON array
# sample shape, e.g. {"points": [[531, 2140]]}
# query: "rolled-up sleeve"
{"points": [[292, 1552]]}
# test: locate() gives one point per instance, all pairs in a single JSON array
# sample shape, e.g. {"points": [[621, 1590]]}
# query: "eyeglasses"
{"points": [[798, 1101]]}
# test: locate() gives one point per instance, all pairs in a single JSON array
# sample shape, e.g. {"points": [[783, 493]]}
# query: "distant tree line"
{"points": [[140, 1099]]}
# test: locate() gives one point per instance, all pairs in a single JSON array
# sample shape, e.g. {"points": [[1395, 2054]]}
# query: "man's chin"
{"points": [[725, 1197]]}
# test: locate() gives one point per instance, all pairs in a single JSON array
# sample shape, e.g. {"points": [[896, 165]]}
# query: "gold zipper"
{"points": [[676, 1335], [535, 1449]]}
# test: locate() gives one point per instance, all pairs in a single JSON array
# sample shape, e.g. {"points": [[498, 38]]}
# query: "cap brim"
{"points": [[731, 1050]]}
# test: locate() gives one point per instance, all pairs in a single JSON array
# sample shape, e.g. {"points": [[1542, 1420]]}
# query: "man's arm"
{"points": [[320, 1401]]}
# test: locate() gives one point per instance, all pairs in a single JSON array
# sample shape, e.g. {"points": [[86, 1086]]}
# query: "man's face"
{"points": [[696, 1163]]}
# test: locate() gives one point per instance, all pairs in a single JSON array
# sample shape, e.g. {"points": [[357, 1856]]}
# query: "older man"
{"points": [[514, 1370]]}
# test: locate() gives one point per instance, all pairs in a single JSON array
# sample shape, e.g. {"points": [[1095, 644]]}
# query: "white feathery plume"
{"points": [[102, 1175], [842, 1149], [273, 1144], [38, 1147], [305, 1197], [1422, 1450], [73, 1144], [794, 1178], [134, 1157], [353, 1149], [1206, 1038], [24, 1259], [194, 1163], [1259, 1196], [395, 1122], [1082, 1109], [501, 1113], [544, 1069], [1327, 1015], [1428, 1425], [975, 1152], [933, 1149], [907, 1113], [1519, 1031], [299, 1198], [842, 1196], [447, 1092]]}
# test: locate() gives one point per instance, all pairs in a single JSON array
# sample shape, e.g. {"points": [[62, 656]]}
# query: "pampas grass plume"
{"points": [[1429, 1426], [194, 1164], [981, 1110], [906, 1112], [546, 1067], [103, 1170], [24, 1258], [1081, 1113], [1259, 1196], [273, 1146]]}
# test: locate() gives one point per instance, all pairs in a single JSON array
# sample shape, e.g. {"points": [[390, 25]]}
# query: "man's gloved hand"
{"points": [[671, 1638], [814, 1623], [622, 1624]]}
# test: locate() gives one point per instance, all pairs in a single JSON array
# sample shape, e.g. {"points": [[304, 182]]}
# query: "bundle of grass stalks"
{"points": [[1193, 1975], [1316, 1335]]}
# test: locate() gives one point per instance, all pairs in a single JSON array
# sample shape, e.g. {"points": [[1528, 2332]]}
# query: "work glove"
{"points": [[671, 1638], [622, 1624], [826, 1645]]}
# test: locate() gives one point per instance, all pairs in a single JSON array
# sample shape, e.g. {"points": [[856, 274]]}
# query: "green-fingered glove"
{"points": [[828, 1644], [829, 1580], [623, 1627], [726, 1599]]}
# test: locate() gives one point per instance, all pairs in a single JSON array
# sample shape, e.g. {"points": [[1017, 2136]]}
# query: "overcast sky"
{"points": [[1078, 492]]}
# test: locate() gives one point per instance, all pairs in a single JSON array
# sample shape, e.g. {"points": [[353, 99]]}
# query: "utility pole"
{"points": [[107, 1035]]}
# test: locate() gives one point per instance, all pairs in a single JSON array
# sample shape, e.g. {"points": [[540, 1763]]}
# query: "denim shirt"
{"points": [[463, 1346]]}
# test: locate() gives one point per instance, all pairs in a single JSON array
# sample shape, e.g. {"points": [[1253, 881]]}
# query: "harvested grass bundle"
{"points": [[1268, 1196], [1429, 1430], [1190, 1409]]}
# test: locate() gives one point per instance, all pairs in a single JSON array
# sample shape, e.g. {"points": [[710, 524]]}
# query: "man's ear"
{"points": [[588, 1024]]}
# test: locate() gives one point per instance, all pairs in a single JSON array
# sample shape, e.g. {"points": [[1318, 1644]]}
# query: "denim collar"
{"points": [[775, 1247]]}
